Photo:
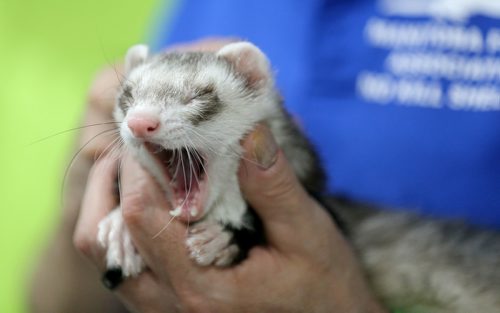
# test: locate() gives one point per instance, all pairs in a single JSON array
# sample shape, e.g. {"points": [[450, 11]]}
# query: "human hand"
{"points": [[144, 291], [307, 265]]}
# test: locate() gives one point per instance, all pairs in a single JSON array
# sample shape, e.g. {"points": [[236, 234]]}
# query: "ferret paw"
{"points": [[114, 236], [208, 243]]}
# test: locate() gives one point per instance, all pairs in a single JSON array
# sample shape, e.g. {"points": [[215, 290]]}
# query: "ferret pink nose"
{"points": [[143, 127]]}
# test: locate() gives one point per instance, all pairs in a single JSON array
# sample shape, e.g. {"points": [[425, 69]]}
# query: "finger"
{"points": [[98, 134], [97, 202], [146, 212], [269, 183], [102, 92], [146, 293], [211, 44], [143, 200]]}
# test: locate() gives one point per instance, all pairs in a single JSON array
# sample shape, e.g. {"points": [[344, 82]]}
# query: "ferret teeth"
{"points": [[193, 211], [176, 212]]}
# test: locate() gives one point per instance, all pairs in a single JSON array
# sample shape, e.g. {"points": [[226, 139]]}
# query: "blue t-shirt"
{"points": [[401, 97]]}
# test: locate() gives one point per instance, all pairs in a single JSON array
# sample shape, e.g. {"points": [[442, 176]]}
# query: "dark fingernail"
{"points": [[112, 278], [265, 148]]}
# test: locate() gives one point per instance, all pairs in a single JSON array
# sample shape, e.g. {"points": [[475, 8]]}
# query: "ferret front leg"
{"points": [[121, 255], [211, 241]]}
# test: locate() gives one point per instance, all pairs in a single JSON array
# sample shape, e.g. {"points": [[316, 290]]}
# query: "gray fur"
{"points": [[299, 151], [212, 104], [124, 98], [424, 265], [189, 62]]}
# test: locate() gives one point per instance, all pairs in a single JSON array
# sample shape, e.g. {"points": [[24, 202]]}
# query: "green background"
{"points": [[49, 52]]}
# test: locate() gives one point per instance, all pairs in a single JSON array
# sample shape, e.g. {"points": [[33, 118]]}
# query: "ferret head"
{"points": [[182, 111]]}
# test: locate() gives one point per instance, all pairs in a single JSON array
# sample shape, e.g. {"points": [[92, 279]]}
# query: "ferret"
{"points": [[183, 116]]}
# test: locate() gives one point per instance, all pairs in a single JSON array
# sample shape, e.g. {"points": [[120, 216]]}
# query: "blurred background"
{"points": [[49, 53]]}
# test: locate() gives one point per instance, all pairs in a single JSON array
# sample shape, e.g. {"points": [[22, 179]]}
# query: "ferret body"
{"points": [[184, 114]]}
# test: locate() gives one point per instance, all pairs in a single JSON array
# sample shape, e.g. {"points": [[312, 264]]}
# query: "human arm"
{"points": [[63, 281]]}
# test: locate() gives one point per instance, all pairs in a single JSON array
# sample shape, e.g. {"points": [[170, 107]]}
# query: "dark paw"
{"points": [[112, 278]]}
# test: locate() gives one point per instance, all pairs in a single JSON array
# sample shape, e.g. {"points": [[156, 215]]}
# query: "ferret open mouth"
{"points": [[185, 170]]}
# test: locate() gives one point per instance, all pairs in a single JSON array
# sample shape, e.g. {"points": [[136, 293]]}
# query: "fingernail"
{"points": [[265, 149]]}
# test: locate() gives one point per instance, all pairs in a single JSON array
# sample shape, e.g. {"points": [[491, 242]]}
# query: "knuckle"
{"points": [[83, 244], [103, 88], [283, 185], [193, 304], [190, 300], [132, 208]]}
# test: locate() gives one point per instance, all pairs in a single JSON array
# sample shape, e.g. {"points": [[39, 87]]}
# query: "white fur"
{"points": [[218, 138], [135, 55], [209, 243], [248, 60], [114, 236], [224, 132]]}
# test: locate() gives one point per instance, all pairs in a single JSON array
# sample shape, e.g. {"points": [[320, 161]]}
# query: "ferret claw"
{"points": [[208, 243]]}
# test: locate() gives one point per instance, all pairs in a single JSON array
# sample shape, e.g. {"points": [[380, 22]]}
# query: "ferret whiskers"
{"points": [[72, 161], [70, 130], [164, 227]]}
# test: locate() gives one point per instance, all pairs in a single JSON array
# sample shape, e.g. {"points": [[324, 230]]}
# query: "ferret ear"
{"points": [[248, 60], [136, 55]]}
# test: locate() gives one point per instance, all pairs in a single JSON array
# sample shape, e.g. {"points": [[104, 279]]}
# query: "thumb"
{"points": [[270, 185]]}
